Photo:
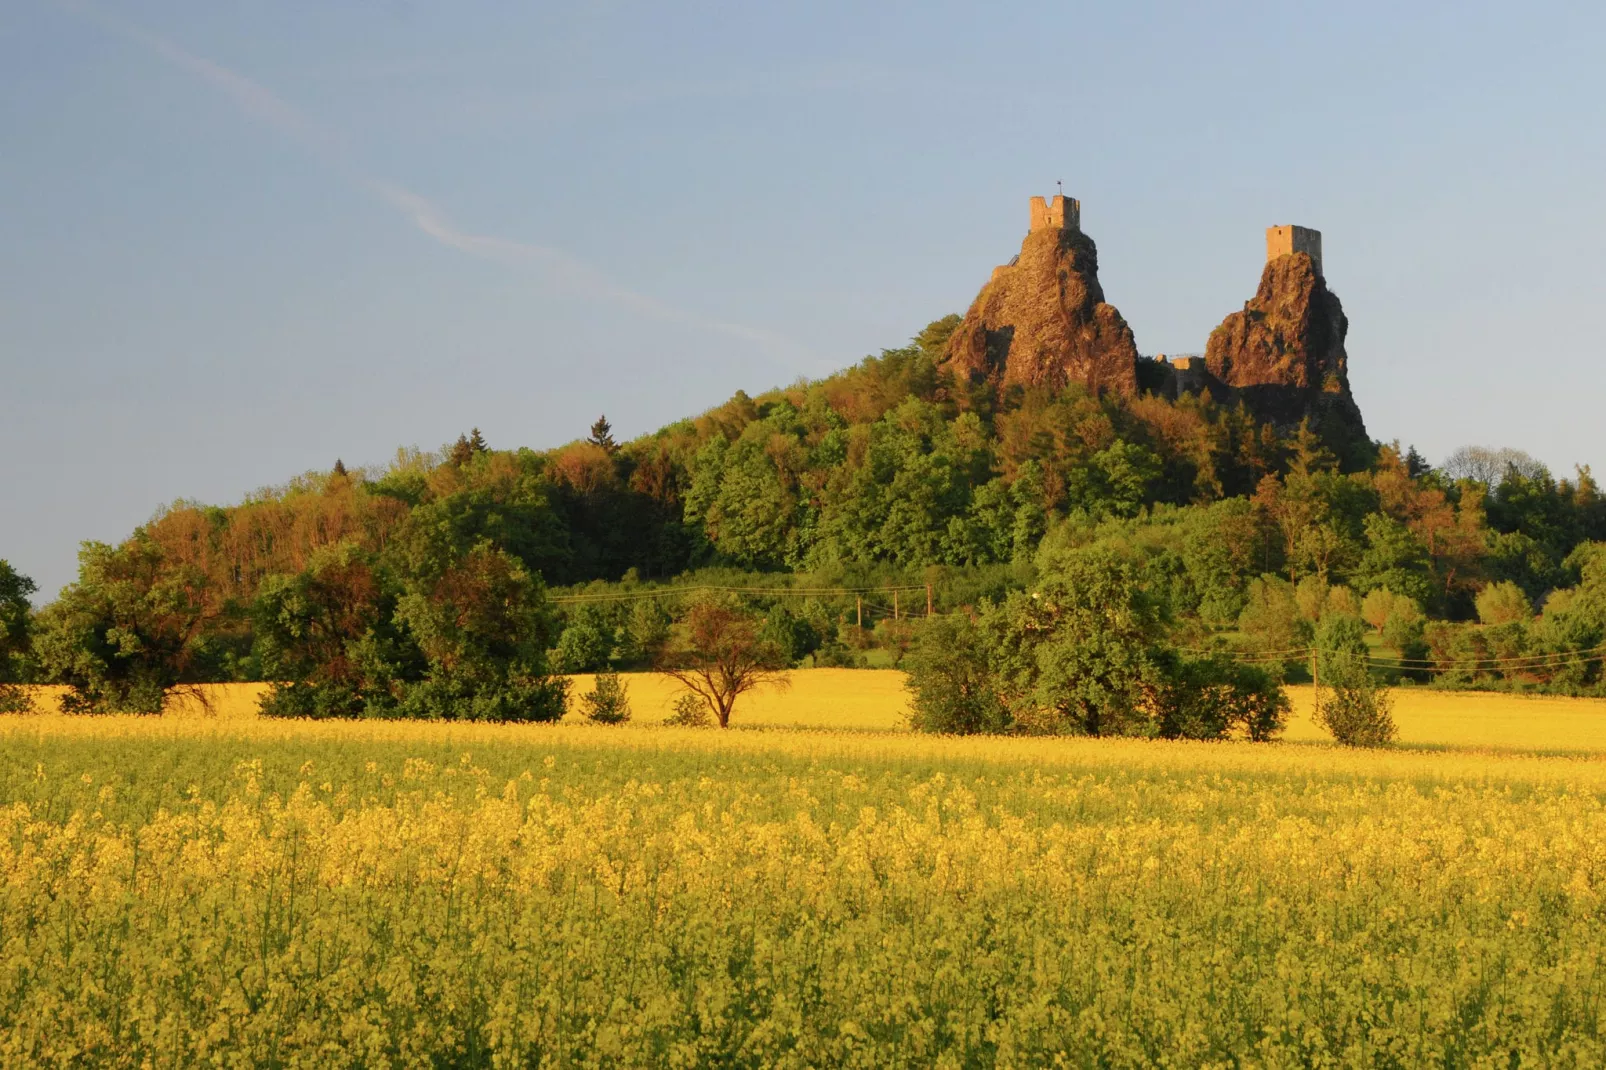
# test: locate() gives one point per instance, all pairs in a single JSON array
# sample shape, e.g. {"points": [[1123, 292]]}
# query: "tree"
{"points": [[602, 435], [1203, 698], [129, 630], [1082, 652], [587, 642], [1272, 618], [1503, 603], [721, 656], [325, 635], [483, 624], [16, 627], [646, 631], [791, 634], [1349, 704], [608, 701], [466, 448], [950, 679]]}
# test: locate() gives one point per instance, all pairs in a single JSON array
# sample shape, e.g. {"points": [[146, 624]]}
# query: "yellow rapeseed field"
{"points": [[875, 699], [210, 887]]}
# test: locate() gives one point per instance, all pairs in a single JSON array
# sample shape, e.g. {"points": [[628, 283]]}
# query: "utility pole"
{"points": [[928, 599], [1315, 682], [858, 604], [894, 605]]}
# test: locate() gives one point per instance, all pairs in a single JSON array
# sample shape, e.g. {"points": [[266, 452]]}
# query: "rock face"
{"points": [[1042, 319], [1283, 355]]}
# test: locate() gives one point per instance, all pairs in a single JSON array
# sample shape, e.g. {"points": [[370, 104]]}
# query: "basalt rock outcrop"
{"points": [[1042, 319], [1283, 355]]}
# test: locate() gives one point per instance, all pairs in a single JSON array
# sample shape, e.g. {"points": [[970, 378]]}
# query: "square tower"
{"points": [[1281, 241], [1059, 213]]}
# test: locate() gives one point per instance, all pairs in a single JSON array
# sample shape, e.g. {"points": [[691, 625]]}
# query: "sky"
{"points": [[241, 239]]}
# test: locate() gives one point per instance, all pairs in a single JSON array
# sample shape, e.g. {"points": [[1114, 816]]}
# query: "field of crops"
{"points": [[186, 889]]}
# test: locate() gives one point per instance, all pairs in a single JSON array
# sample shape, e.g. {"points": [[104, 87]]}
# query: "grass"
{"points": [[214, 887]]}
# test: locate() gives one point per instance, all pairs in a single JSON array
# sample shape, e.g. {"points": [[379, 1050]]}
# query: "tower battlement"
{"points": [[1059, 213], [1281, 241]]}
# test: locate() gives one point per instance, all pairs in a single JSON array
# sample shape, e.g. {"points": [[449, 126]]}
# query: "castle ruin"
{"points": [[1060, 213], [1281, 241]]}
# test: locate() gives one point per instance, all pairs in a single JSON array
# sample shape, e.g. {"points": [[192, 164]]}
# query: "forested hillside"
{"points": [[436, 568]]}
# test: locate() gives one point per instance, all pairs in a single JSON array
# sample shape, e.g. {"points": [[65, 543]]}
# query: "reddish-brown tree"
{"points": [[721, 657]]}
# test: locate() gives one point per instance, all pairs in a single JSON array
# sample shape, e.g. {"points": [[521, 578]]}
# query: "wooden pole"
{"points": [[928, 599], [894, 605], [858, 602], [1315, 681]]}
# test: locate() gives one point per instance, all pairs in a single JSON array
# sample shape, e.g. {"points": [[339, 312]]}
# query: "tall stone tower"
{"points": [[1280, 241], [1061, 213]]}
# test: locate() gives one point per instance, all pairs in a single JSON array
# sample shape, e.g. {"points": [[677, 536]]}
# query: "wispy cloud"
{"points": [[265, 106]]}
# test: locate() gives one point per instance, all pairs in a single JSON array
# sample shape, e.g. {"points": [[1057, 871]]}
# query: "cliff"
{"points": [[1042, 319], [1283, 355]]}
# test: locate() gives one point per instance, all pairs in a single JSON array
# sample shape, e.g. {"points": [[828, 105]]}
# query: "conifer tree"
{"points": [[602, 435]]}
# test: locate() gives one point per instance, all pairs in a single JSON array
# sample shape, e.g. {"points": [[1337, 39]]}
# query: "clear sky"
{"points": [[240, 239]]}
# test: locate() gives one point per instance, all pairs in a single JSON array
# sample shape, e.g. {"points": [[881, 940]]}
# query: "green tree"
{"points": [[1203, 698], [586, 643], [16, 640], [602, 435], [325, 636], [483, 624], [950, 679], [1272, 618], [1082, 651], [1503, 603], [608, 701], [129, 630], [1349, 703]]}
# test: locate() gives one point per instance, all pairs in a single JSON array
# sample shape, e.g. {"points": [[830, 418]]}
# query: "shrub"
{"points": [[1503, 603], [1202, 698], [608, 701], [950, 680], [690, 711], [1356, 711], [584, 646]]}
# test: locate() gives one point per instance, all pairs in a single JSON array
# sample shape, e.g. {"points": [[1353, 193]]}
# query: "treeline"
{"points": [[459, 583]]}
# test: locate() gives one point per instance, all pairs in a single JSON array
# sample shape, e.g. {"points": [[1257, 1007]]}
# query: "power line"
{"points": [[657, 592]]}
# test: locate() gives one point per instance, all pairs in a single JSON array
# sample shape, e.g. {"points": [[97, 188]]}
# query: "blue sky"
{"points": [[241, 239]]}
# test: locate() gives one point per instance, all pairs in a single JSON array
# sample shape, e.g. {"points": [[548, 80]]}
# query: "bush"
{"points": [[1503, 603], [691, 711], [14, 699], [950, 680], [584, 646], [1357, 712], [608, 701], [1204, 697]]}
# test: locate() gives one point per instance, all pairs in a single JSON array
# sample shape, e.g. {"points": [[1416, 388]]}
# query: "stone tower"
{"points": [[1061, 213], [1281, 241]]}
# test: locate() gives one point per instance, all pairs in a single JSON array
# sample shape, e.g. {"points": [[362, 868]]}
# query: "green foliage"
{"points": [[950, 680], [16, 641], [586, 643], [794, 636], [646, 631], [690, 711], [129, 630], [608, 701], [434, 630], [1350, 705], [1204, 698], [1273, 620], [1503, 603]]}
